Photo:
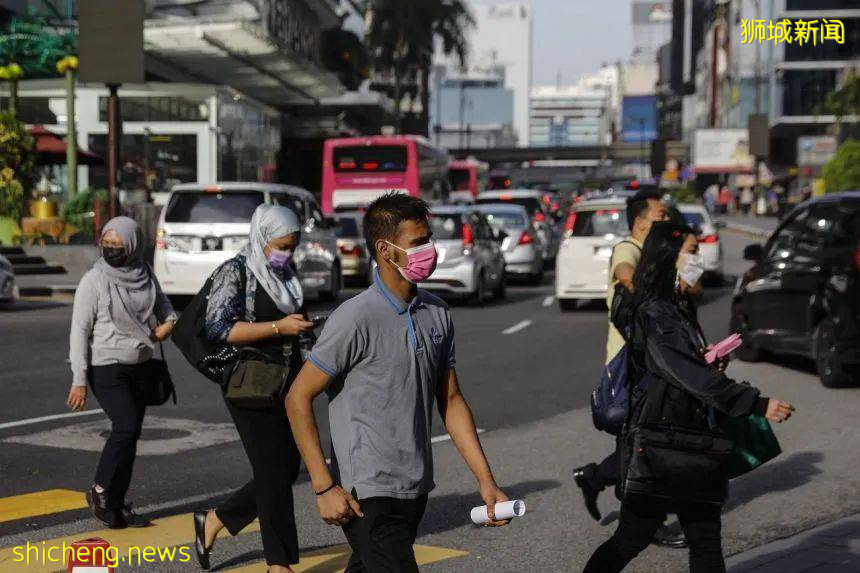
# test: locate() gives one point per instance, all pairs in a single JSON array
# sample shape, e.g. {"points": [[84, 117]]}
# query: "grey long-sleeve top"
{"points": [[94, 340]]}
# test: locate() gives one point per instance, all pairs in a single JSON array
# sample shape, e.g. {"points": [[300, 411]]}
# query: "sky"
{"points": [[576, 36]]}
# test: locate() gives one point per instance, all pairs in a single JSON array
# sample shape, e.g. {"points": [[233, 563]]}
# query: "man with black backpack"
{"points": [[643, 210]]}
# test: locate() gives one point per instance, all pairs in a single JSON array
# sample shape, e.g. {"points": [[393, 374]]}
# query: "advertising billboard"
{"points": [[639, 119], [722, 151]]}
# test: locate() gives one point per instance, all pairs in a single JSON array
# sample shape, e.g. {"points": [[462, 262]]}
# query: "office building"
{"points": [[473, 110], [502, 37], [566, 116]]}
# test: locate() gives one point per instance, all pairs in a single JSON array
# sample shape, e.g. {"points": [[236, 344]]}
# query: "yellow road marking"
{"points": [[40, 503], [334, 559], [172, 531]]}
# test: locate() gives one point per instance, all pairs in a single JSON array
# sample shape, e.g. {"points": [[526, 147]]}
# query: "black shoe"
{"points": [[200, 539], [665, 537], [589, 493], [102, 509], [132, 519]]}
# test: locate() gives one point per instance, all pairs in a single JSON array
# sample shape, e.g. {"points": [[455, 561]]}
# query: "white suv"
{"points": [[201, 226]]}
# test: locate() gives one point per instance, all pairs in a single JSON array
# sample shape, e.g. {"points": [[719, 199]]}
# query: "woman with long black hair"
{"points": [[674, 384]]}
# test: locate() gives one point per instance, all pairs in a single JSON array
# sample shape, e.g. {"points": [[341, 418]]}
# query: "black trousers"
{"points": [[636, 528], [382, 540], [119, 389], [274, 458]]}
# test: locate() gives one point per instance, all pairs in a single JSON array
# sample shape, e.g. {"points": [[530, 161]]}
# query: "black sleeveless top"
{"points": [[265, 310]]}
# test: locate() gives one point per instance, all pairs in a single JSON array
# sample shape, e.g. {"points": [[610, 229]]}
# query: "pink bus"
{"points": [[468, 178], [357, 170]]}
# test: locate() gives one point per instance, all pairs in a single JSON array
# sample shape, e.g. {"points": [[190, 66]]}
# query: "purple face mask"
{"points": [[279, 259]]}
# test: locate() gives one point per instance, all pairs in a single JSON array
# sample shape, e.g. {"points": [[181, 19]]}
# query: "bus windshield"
{"points": [[370, 158], [459, 179]]}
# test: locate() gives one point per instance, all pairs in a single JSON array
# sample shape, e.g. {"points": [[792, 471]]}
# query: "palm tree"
{"points": [[400, 37]]}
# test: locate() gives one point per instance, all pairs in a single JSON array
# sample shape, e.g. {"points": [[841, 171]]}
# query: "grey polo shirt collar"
{"points": [[399, 305]]}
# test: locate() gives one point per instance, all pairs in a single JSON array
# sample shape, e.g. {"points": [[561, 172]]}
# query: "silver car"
{"points": [[7, 281], [470, 261], [203, 225], [355, 259], [521, 246], [533, 201]]}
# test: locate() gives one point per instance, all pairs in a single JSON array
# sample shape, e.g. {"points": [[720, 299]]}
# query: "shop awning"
{"points": [[242, 56], [51, 149]]}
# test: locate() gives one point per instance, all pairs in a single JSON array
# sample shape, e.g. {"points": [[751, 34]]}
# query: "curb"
{"points": [[46, 291]]}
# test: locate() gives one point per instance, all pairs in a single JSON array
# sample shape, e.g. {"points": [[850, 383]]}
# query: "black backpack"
{"points": [[189, 335]]}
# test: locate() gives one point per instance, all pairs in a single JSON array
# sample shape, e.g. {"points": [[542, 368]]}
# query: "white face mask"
{"points": [[692, 268]]}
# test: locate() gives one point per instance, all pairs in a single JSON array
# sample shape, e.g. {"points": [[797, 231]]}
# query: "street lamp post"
{"points": [[68, 66]]}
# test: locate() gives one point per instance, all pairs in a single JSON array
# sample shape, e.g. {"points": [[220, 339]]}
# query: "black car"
{"points": [[802, 297]]}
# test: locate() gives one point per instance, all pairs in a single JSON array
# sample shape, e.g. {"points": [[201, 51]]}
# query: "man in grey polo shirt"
{"points": [[384, 357]]}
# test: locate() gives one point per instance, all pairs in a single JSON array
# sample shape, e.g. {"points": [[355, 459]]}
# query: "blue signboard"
{"points": [[639, 119]]}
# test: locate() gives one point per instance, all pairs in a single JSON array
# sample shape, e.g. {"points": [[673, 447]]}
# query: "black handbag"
{"points": [[672, 463], [258, 381], [160, 387], [212, 359]]}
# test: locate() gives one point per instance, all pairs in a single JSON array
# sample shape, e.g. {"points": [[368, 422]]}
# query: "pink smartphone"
{"points": [[723, 347]]}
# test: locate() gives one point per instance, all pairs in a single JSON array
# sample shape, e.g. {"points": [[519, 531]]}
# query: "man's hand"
{"points": [[77, 397], [491, 494], [778, 410], [338, 507]]}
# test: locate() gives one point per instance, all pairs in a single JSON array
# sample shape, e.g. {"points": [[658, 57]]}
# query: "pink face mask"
{"points": [[421, 262]]}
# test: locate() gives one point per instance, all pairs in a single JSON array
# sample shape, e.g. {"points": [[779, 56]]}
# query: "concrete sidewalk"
{"points": [[833, 547]]}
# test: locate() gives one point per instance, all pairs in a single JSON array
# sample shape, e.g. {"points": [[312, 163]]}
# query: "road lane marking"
{"points": [[446, 437], [172, 531], [517, 327], [334, 559], [29, 421], [161, 436], [40, 503], [548, 301]]}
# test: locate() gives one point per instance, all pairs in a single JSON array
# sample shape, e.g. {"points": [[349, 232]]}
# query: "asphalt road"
{"points": [[529, 390]]}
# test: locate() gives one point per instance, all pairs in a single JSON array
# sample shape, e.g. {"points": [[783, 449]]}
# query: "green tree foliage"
{"points": [[842, 173], [17, 165], [400, 39], [80, 210]]}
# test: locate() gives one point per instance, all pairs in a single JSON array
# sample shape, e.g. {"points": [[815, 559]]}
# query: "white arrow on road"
{"points": [[548, 301], [517, 327]]}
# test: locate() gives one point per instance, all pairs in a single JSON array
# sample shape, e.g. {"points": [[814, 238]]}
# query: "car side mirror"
{"points": [[753, 253]]}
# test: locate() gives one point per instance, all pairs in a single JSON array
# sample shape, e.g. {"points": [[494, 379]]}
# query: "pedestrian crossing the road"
{"points": [[164, 537]]}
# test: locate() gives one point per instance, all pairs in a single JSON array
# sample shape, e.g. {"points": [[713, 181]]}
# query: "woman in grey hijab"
{"points": [[256, 300], [119, 314]]}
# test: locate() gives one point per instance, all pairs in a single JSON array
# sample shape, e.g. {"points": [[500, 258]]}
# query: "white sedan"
{"points": [[707, 231]]}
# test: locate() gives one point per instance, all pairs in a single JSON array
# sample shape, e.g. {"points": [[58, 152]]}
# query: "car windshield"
{"points": [[600, 222], [209, 207], [446, 227], [507, 220], [531, 204], [347, 228]]}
